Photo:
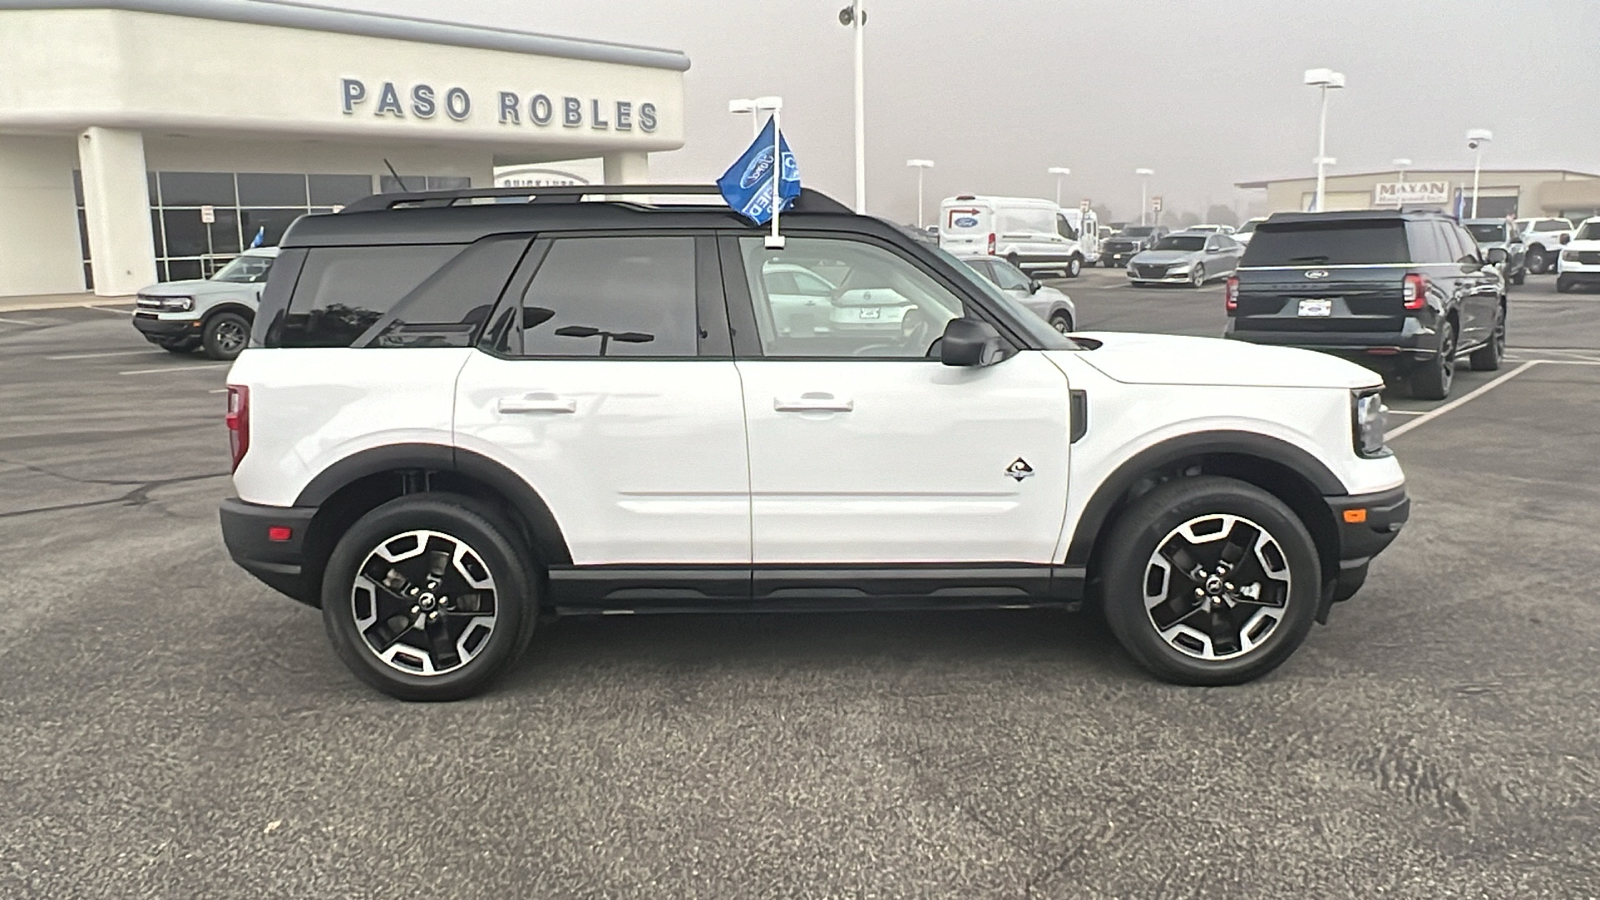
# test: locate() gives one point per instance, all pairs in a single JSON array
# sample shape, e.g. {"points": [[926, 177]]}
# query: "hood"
{"points": [[197, 287], [1586, 246], [1170, 359], [1165, 257]]}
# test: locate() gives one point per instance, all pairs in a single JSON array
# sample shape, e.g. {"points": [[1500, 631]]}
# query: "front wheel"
{"points": [[225, 335], [1210, 581], [429, 597], [1536, 262], [1199, 276], [1061, 322]]}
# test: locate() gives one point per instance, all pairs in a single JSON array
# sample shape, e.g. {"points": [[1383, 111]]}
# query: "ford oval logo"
{"points": [[1317, 273], [757, 169], [965, 222]]}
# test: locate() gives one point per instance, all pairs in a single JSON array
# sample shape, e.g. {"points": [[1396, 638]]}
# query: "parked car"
{"points": [[1046, 302], [1121, 247], [1545, 238], [214, 313], [1186, 257], [1402, 292], [582, 407], [1502, 233], [1579, 264], [800, 298], [1033, 235], [1211, 229], [1248, 230]]}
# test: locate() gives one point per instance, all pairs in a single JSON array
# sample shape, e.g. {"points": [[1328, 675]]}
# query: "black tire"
{"points": [[1198, 279], [1433, 380], [1129, 566], [225, 335], [1487, 358], [1536, 261], [1564, 285], [1074, 267], [1107, 262], [491, 545], [179, 346], [1521, 276], [1061, 322]]}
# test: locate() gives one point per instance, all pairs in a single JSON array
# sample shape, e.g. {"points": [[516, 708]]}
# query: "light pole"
{"points": [[1400, 167], [1059, 172], [747, 107], [1144, 191], [854, 17], [920, 165], [1323, 79], [1476, 138]]}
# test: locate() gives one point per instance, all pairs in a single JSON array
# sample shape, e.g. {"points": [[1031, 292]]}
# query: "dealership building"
{"points": [[152, 140], [1518, 193]]}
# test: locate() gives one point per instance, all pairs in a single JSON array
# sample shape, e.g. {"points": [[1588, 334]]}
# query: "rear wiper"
{"points": [[1308, 259]]}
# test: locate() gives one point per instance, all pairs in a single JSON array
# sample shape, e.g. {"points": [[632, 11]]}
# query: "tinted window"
{"points": [[1589, 231], [1463, 247], [1488, 234], [448, 309], [1333, 243], [1428, 242], [343, 291], [339, 190], [1552, 225], [1182, 242], [1065, 229], [613, 296], [197, 189], [272, 190]]}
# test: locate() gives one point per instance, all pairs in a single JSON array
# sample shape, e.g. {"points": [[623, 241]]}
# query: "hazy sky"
{"points": [[1204, 93]]}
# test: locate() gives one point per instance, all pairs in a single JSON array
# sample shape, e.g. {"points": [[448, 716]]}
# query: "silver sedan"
{"points": [[1047, 303], [1191, 258]]}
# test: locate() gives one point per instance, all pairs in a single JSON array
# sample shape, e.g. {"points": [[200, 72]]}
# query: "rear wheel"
{"points": [[1487, 358], [1074, 267], [429, 597], [1536, 261], [1432, 382], [1210, 581], [225, 335]]}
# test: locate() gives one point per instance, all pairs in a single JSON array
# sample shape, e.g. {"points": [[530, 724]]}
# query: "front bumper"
{"points": [[278, 563], [157, 328], [1183, 277], [1365, 524], [1577, 273]]}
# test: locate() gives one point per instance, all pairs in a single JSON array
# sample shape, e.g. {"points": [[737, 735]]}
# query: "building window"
{"points": [[388, 184]]}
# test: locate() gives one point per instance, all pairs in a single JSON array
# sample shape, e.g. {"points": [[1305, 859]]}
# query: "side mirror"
{"points": [[969, 342], [1033, 285], [1565, 238], [1497, 256]]}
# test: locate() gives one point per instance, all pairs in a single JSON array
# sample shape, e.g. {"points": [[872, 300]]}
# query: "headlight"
{"points": [[1371, 419], [177, 304], [1569, 255]]}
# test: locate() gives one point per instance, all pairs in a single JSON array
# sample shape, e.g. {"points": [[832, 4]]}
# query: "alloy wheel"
{"points": [[1217, 587], [230, 336], [424, 603], [1199, 276]]}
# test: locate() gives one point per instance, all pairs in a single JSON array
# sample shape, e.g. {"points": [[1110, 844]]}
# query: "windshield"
{"points": [[1589, 232], [1488, 234], [1247, 227], [1138, 230], [1188, 243], [245, 270], [1037, 328]]}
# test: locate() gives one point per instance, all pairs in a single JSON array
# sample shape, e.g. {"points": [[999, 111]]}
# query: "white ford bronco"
{"points": [[463, 412]]}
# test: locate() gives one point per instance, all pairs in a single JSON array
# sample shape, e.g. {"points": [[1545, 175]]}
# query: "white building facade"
{"points": [[151, 140]]}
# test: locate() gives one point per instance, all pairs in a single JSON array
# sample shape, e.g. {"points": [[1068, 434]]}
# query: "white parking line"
{"points": [[218, 391], [99, 355], [1407, 412], [22, 322], [107, 309], [174, 369], [1459, 401]]}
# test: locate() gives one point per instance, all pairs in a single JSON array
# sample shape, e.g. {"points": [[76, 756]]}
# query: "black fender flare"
{"points": [[232, 306], [549, 541], [1098, 511]]}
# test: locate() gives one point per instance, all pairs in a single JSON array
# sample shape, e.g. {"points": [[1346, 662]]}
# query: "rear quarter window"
{"points": [[1333, 243], [344, 291]]}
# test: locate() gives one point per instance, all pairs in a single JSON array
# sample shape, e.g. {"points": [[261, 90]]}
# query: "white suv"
{"points": [[458, 415], [1580, 258], [214, 314], [1545, 237]]}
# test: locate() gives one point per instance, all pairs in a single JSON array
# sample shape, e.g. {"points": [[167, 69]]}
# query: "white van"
{"points": [[1034, 235]]}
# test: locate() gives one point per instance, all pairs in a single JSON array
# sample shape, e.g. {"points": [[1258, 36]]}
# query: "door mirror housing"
{"points": [[1497, 256], [1033, 285], [969, 342]]}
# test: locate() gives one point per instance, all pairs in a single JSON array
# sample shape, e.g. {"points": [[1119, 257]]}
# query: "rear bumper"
{"points": [[1366, 524], [278, 563], [1410, 346]]}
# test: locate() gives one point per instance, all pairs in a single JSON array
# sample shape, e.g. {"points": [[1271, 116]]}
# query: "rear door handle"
{"points": [[813, 401], [537, 402]]}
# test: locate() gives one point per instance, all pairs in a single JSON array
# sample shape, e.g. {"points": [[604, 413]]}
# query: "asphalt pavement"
{"points": [[171, 728]]}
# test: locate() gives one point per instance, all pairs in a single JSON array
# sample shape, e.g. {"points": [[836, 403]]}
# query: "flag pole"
{"points": [[775, 239]]}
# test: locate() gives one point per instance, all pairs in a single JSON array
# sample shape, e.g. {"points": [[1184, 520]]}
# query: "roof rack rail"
{"points": [[808, 201]]}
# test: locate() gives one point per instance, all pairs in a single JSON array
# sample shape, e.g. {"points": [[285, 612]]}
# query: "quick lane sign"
{"points": [[1410, 193], [422, 101]]}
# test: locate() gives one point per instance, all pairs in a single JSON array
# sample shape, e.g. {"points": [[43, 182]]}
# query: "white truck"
{"points": [[1545, 237], [1033, 235]]}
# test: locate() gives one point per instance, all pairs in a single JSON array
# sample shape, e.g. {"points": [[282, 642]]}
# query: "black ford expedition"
{"points": [[1405, 293]]}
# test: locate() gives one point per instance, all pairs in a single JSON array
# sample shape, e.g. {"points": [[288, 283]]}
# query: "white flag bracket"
{"points": [[775, 104]]}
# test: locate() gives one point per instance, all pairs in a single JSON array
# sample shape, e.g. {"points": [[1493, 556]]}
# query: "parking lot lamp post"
{"points": [[854, 17], [1400, 166], [1144, 191], [747, 107], [1476, 138], [1059, 172], [1323, 79], [919, 165]]}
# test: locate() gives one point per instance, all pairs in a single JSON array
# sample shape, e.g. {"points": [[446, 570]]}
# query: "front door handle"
{"points": [[813, 401], [537, 402]]}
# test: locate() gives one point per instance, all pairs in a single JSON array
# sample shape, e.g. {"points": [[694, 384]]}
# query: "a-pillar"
{"points": [[116, 206], [627, 167]]}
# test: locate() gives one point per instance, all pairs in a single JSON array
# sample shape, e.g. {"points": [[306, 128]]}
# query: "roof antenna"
{"points": [[396, 176]]}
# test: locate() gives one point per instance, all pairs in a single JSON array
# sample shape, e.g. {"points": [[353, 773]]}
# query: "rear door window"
{"points": [[1357, 242], [343, 291], [613, 297]]}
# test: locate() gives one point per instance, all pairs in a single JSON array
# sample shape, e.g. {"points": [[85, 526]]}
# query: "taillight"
{"points": [[238, 420], [1230, 294], [1415, 291], [991, 244]]}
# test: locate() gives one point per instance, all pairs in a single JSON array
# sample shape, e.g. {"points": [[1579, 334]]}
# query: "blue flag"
{"points": [[747, 185], [260, 238]]}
